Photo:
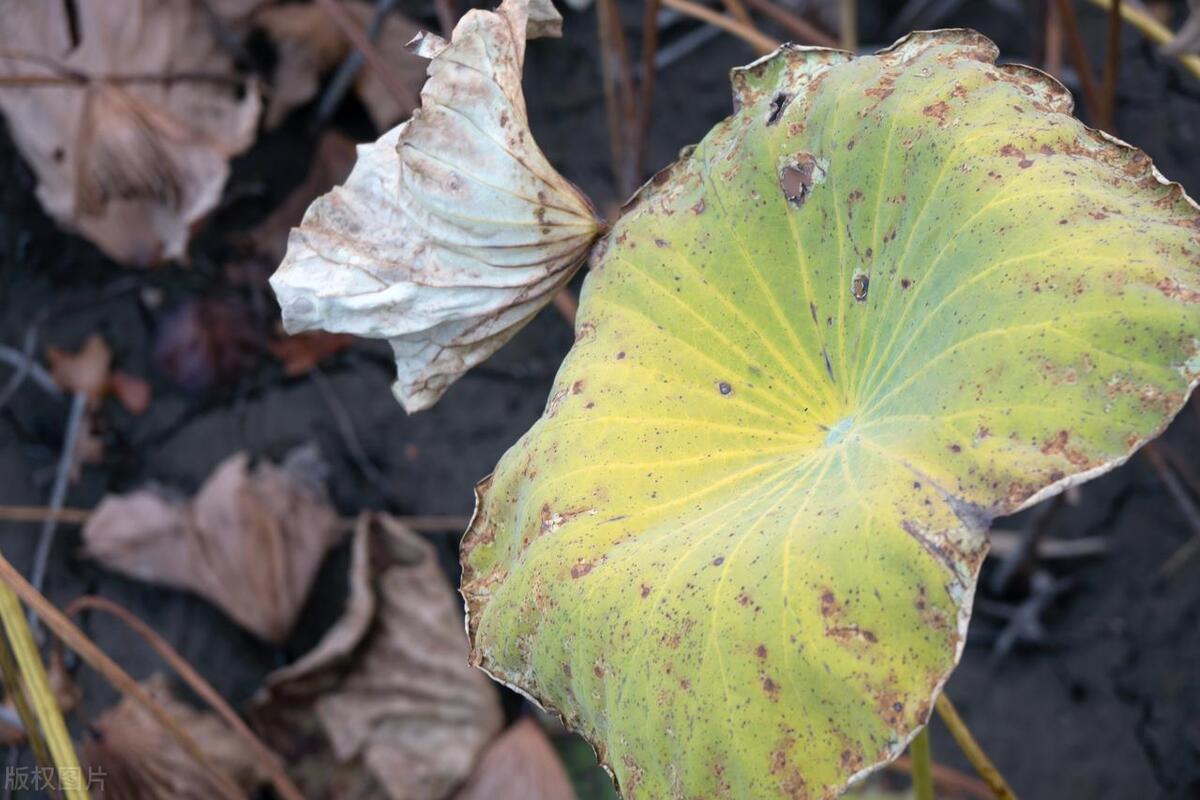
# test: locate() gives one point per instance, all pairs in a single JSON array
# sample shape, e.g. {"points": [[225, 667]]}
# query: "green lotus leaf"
{"points": [[889, 299]]}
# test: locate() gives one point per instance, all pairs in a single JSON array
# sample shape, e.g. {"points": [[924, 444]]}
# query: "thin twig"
{"points": [[430, 523], [1054, 39], [646, 89], [566, 304], [345, 426], [16, 359], [849, 23], [400, 91], [922, 765], [617, 75], [762, 43], [1151, 29], [343, 78], [1087, 78], [58, 494], [949, 779], [804, 31], [1112, 67], [447, 14], [1186, 504], [98, 660], [267, 757], [738, 9], [971, 749]]}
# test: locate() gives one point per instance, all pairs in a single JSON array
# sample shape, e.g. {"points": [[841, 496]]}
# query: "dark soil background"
{"points": [[1103, 703]]}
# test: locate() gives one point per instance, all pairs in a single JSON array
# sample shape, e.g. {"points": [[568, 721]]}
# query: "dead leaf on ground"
{"points": [[386, 705], [453, 230], [520, 765], [137, 758], [299, 354], [124, 156], [250, 542], [309, 45], [331, 164]]}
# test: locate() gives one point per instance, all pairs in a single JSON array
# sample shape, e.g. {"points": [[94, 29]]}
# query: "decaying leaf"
{"points": [[130, 143], [386, 705], [520, 765], [250, 542], [130, 755], [308, 46], [889, 299], [453, 230]]}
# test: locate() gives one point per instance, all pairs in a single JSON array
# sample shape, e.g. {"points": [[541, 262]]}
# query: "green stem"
{"points": [[40, 697], [971, 749], [922, 765]]}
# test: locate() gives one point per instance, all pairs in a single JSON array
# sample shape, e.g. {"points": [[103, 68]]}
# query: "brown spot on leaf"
{"points": [[1172, 289], [797, 178]]}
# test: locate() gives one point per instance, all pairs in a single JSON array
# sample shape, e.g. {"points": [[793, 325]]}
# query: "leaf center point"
{"points": [[838, 432]]}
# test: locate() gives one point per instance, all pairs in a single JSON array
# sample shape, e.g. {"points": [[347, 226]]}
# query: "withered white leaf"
{"points": [[131, 755], [250, 542], [129, 130], [386, 705], [453, 230]]}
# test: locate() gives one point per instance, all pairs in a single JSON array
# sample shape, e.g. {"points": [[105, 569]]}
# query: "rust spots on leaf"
{"points": [[938, 111], [1172, 289], [1060, 445], [761, 651], [791, 782], [771, 688], [581, 568], [645, 590]]}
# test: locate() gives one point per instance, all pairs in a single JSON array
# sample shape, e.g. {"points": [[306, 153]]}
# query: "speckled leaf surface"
{"points": [[887, 300]]}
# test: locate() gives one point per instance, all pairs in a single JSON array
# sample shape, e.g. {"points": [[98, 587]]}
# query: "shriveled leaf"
{"points": [[129, 754], [520, 765], [129, 161], [453, 230], [386, 705], [887, 300], [308, 46], [250, 542]]}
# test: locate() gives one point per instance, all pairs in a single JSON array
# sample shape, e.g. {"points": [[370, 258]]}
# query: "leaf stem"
{"points": [[922, 765], [971, 749], [41, 698]]}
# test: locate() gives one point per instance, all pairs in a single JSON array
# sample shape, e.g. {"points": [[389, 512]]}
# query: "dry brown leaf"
{"points": [[453, 230], [520, 765], [299, 354], [133, 757], [127, 158], [86, 371], [387, 695], [308, 45], [250, 542]]}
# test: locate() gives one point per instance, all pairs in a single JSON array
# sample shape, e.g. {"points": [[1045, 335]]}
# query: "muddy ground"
{"points": [[1105, 705]]}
